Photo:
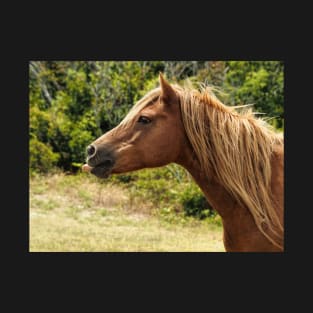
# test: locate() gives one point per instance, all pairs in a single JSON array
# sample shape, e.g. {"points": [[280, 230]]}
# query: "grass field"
{"points": [[78, 213]]}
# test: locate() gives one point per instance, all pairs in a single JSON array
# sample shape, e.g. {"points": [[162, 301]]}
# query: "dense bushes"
{"points": [[257, 83], [41, 156], [194, 202]]}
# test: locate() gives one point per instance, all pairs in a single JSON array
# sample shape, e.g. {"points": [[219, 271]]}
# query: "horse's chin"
{"points": [[99, 171]]}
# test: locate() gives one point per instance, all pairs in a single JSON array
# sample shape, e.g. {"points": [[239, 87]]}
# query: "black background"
{"points": [[158, 281]]}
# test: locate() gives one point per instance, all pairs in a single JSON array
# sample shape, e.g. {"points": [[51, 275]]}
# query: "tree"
{"points": [[260, 83]]}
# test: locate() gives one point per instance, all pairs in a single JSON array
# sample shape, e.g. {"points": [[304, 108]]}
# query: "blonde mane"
{"points": [[234, 146]]}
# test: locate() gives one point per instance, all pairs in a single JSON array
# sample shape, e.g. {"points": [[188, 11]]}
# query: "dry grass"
{"points": [[78, 213]]}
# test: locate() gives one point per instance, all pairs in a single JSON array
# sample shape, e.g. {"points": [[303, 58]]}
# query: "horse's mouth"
{"points": [[101, 170]]}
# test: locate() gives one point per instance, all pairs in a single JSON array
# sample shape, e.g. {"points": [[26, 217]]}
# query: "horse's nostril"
{"points": [[91, 150]]}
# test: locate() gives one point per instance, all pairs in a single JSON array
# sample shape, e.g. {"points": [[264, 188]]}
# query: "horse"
{"points": [[235, 157]]}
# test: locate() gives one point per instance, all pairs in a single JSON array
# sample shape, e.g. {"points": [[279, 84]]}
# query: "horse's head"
{"points": [[151, 135]]}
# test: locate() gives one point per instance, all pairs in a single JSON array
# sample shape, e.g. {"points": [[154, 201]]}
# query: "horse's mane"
{"points": [[236, 147], [233, 145]]}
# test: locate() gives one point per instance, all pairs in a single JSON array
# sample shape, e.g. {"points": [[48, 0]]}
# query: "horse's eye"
{"points": [[144, 120]]}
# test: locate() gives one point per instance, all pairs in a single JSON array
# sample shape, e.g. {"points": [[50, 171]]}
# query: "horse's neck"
{"points": [[240, 230], [215, 193]]}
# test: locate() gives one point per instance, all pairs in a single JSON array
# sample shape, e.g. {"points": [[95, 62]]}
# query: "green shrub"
{"points": [[39, 124], [194, 202], [80, 139], [124, 178], [169, 189], [42, 158]]}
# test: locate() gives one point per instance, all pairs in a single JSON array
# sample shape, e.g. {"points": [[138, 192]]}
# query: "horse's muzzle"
{"points": [[100, 161]]}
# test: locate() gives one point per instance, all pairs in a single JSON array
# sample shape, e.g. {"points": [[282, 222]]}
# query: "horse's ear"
{"points": [[168, 94]]}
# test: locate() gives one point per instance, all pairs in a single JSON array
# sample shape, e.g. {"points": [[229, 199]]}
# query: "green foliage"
{"points": [[194, 202], [169, 189], [42, 158], [81, 135], [39, 124], [156, 184], [258, 83], [78, 143]]}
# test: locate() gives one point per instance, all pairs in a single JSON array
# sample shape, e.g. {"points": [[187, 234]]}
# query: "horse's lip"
{"points": [[86, 168]]}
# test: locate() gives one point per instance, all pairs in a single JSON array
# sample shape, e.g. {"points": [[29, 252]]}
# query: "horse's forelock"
{"points": [[145, 101]]}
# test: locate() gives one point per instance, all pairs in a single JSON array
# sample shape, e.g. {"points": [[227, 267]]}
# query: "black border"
{"points": [[227, 268]]}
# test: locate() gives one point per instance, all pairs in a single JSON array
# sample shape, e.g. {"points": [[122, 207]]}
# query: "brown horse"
{"points": [[235, 158]]}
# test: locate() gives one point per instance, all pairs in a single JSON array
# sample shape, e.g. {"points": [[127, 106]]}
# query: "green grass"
{"points": [[82, 213]]}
